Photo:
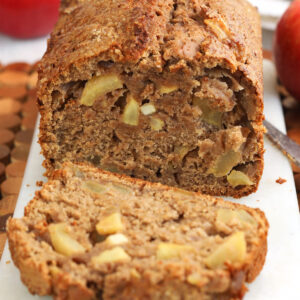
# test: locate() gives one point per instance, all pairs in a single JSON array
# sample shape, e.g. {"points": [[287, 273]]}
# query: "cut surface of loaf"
{"points": [[90, 234], [164, 90]]}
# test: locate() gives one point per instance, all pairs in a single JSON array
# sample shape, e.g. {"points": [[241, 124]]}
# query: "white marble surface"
{"points": [[12, 50], [279, 279], [271, 11]]}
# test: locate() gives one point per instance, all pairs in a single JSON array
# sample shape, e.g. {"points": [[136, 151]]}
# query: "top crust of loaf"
{"points": [[157, 33]]}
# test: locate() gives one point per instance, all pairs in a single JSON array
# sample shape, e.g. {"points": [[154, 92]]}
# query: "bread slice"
{"points": [[166, 90], [90, 234]]}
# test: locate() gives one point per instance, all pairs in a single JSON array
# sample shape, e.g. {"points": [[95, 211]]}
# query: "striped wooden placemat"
{"points": [[18, 113]]}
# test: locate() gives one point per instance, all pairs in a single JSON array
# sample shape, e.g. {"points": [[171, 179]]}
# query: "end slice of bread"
{"points": [[90, 234]]}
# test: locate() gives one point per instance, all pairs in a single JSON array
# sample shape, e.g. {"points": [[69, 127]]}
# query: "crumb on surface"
{"points": [[267, 54], [28, 185], [39, 183], [8, 262], [280, 180]]}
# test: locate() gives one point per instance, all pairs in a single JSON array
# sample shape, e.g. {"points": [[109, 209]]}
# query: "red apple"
{"points": [[287, 49], [28, 18]]}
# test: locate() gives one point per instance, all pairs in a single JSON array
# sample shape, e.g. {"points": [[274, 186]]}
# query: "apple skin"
{"points": [[287, 49], [28, 18]]}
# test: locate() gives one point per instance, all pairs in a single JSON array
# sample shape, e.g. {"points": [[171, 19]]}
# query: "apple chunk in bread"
{"points": [[171, 250], [110, 224], [233, 250], [99, 86], [116, 254], [62, 241]]}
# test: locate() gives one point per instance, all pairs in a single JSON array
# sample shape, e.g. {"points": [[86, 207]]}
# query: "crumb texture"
{"points": [[89, 234], [168, 91]]}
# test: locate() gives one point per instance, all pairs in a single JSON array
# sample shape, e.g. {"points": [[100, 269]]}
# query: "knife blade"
{"points": [[287, 146]]}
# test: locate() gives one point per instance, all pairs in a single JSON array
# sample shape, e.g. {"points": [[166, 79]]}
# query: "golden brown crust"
{"points": [[259, 256], [33, 274], [79, 36]]}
